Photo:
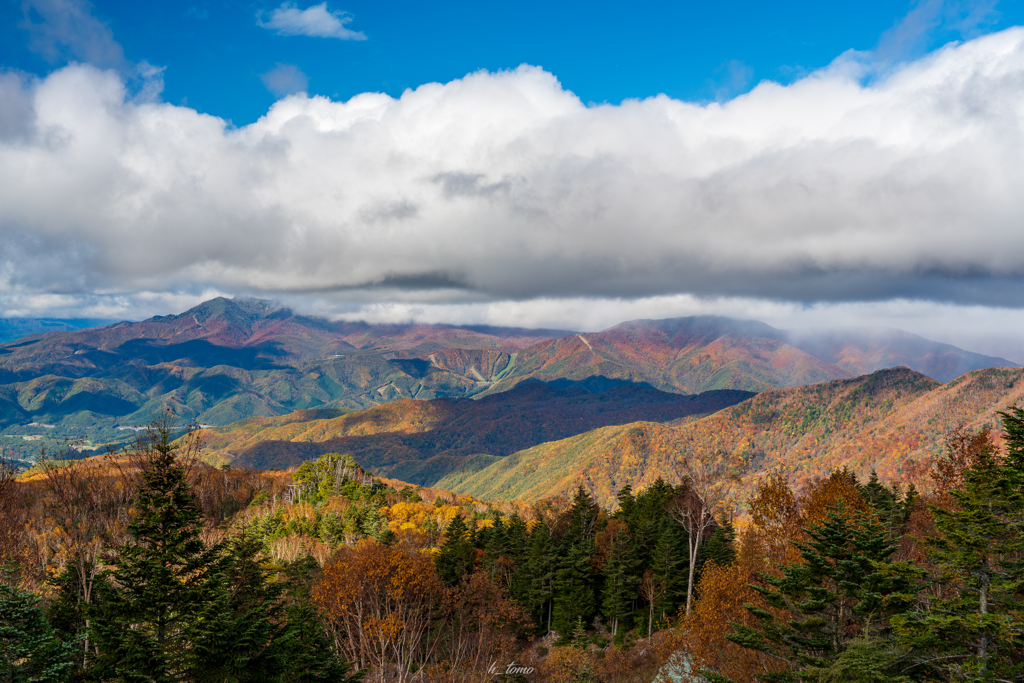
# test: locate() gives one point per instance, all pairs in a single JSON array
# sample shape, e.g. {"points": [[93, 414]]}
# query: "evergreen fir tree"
{"points": [[172, 609], [455, 558], [30, 651], [644, 514], [539, 575], [976, 629], [68, 613], [304, 653], [720, 548], [516, 538], [669, 563], [620, 582], [574, 583], [147, 611], [236, 628], [845, 587]]}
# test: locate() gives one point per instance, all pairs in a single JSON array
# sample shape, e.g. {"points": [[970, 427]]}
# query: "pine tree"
{"points": [[456, 555], [146, 612], [574, 582], [619, 582], [976, 630], [30, 651], [845, 587]]}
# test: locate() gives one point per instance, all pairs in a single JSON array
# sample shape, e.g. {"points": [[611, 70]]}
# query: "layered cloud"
{"points": [[846, 185], [316, 21]]}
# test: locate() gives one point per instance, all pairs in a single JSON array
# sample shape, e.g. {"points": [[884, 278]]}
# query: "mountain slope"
{"points": [[885, 421], [227, 360], [223, 361], [864, 350], [708, 352], [420, 441], [685, 355]]}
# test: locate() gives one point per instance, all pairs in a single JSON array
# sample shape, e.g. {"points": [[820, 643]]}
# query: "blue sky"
{"points": [[214, 53], [549, 165]]}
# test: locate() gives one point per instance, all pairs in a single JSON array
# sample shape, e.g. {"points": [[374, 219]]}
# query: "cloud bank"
{"points": [[847, 185], [316, 21]]}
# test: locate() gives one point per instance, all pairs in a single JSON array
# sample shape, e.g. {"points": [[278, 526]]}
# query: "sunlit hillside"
{"points": [[886, 421]]}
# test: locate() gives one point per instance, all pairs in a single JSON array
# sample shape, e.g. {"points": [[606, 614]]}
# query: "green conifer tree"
{"points": [[538, 575], [669, 563], [845, 589], [30, 651], [575, 595], [455, 558], [146, 612], [976, 629], [620, 583]]}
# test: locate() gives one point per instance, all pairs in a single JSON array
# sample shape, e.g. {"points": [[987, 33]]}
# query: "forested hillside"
{"points": [[149, 563], [421, 441], [886, 421]]}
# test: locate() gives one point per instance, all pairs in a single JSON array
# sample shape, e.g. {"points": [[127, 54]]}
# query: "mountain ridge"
{"points": [[890, 421], [226, 360], [420, 441]]}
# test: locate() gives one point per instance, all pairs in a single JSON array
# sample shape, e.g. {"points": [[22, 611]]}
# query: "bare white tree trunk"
{"points": [[709, 483]]}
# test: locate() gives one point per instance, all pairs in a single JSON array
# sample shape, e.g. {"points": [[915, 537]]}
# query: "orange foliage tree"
{"points": [[723, 593], [390, 612], [379, 602]]}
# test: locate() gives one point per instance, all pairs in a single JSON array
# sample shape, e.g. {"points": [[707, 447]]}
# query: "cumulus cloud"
{"points": [[285, 79], [505, 186], [316, 21]]}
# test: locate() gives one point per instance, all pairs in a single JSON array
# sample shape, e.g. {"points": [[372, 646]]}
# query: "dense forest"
{"points": [[150, 565]]}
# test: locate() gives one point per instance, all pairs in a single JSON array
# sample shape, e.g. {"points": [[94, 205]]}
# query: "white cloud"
{"points": [[504, 186], [316, 21], [285, 79], [66, 30]]}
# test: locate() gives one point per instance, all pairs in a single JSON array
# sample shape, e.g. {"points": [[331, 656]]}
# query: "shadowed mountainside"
{"points": [[886, 421], [421, 441]]}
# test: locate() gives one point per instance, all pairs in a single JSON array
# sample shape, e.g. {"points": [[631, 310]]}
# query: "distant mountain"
{"points": [[12, 329], [227, 360], [222, 361], [885, 421], [686, 355], [863, 350], [700, 353], [421, 441]]}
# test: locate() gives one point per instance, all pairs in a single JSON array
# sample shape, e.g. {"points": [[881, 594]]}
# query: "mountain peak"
{"points": [[239, 311]]}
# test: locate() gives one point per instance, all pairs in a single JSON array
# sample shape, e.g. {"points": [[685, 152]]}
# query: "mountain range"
{"points": [[12, 329], [890, 421], [421, 441], [227, 360]]}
